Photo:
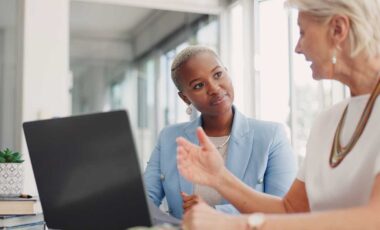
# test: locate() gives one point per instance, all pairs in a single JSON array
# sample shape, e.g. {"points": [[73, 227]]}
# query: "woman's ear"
{"points": [[184, 98], [340, 26]]}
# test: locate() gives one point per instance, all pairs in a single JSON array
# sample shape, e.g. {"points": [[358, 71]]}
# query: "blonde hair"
{"points": [[364, 15], [183, 56]]}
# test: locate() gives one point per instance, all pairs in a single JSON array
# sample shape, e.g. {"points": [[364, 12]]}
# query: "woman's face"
{"points": [[315, 45], [206, 84]]}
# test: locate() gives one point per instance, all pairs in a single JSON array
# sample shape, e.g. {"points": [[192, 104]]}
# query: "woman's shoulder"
{"points": [[266, 129], [254, 122], [264, 124], [174, 129], [328, 118], [333, 111]]}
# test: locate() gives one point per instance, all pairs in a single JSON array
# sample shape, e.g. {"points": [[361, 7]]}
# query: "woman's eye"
{"points": [[218, 74], [198, 86]]}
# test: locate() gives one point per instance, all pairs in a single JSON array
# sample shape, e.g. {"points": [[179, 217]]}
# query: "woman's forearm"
{"points": [[364, 218], [244, 198]]}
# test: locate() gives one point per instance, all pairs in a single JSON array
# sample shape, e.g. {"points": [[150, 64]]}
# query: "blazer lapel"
{"points": [[239, 152], [190, 135], [239, 148]]}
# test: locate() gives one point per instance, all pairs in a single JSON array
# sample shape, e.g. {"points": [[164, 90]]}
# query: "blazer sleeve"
{"points": [[152, 175], [282, 167]]}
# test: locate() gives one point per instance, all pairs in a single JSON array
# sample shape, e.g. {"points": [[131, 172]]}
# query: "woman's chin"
{"points": [[317, 76], [224, 107]]}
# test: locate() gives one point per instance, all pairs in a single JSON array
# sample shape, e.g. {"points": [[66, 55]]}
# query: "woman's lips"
{"points": [[218, 100]]}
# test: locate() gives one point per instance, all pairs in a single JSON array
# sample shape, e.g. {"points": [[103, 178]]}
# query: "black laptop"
{"points": [[87, 172]]}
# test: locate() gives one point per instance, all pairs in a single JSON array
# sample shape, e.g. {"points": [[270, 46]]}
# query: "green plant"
{"points": [[8, 156]]}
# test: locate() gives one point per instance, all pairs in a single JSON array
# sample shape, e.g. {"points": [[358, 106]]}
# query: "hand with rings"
{"points": [[190, 200]]}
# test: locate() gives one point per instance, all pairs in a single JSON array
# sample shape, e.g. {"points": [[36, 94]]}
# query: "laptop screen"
{"points": [[87, 172]]}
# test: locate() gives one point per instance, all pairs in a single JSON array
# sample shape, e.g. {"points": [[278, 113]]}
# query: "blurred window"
{"points": [[288, 93], [236, 62]]}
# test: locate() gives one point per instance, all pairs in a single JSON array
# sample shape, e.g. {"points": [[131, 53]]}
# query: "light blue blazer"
{"points": [[259, 154]]}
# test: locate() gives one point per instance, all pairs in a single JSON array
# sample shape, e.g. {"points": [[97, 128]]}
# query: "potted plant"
{"points": [[11, 173]]}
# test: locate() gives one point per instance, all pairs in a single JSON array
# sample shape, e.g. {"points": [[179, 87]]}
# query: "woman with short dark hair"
{"points": [[256, 152]]}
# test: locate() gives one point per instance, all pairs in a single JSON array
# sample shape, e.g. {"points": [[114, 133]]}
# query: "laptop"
{"points": [[87, 172]]}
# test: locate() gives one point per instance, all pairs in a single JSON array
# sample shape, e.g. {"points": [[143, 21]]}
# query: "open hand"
{"points": [[199, 164]]}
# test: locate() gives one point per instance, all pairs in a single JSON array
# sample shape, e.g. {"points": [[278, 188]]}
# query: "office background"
{"points": [[69, 57]]}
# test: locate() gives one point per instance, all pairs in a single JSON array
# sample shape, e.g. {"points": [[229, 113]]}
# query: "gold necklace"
{"points": [[338, 152]]}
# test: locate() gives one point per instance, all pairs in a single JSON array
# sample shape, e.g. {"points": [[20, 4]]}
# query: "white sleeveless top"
{"points": [[350, 183]]}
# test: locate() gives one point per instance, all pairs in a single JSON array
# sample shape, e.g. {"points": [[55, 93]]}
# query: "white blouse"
{"points": [[350, 183]]}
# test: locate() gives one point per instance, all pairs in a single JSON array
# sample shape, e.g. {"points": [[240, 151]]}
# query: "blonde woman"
{"points": [[338, 186]]}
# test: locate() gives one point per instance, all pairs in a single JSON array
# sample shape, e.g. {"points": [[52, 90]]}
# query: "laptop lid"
{"points": [[87, 172]]}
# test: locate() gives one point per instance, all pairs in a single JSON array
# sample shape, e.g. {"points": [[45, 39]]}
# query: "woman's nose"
{"points": [[213, 87], [298, 48]]}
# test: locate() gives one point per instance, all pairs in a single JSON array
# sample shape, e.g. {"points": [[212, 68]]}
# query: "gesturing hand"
{"points": [[190, 200], [199, 164]]}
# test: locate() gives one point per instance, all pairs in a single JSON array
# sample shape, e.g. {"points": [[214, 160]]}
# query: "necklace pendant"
{"points": [[219, 147], [335, 159]]}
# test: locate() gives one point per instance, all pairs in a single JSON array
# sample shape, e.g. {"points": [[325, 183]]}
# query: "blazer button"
{"points": [[162, 177], [260, 180]]}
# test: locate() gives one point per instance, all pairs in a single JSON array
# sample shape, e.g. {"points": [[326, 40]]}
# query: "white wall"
{"points": [[10, 75], [46, 77]]}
